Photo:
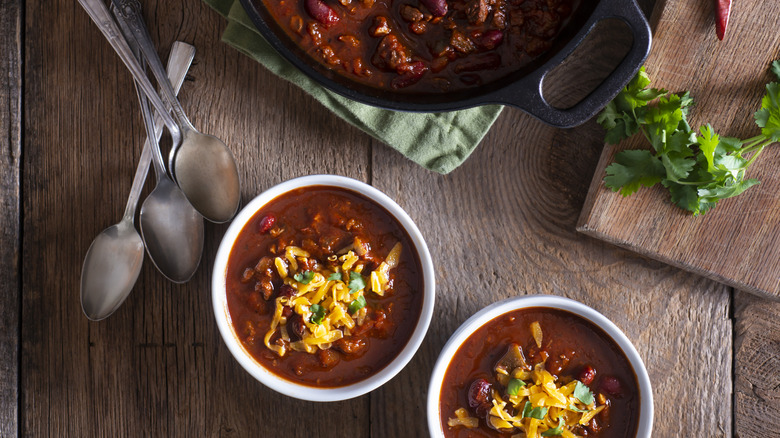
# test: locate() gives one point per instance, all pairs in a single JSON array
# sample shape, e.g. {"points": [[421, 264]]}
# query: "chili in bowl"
{"points": [[323, 288], [539, 366]]}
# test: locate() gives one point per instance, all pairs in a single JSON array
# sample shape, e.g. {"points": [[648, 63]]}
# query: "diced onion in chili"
{"points": [[536, 332]]}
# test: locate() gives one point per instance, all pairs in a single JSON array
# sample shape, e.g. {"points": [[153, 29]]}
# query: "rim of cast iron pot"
{"points": [[526, 80]]}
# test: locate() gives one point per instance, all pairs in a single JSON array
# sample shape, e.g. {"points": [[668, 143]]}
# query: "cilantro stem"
{"points": [[758, 152], [692, 183]]}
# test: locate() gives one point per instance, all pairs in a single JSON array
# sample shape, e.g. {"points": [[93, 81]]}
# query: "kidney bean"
{"points": [[266, 223], [587, 375], [479, 391], [296, 324], [412, 73], [437, 7], [287, 291], [611, 385], [491, 39], [579, 430], [321, 12]]}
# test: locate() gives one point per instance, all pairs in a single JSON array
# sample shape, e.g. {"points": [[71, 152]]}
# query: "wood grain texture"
{"points": [[504, 225], [158, 366], [10, 158], [757, 359], [738, 243]]}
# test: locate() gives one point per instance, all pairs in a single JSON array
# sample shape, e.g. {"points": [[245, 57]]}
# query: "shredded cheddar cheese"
{"points": [[340, 292], [533, 402]]}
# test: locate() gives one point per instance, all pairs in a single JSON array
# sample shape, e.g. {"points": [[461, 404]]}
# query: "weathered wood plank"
{"points": [[504, 224], [10, 158], [739, 242], [757, 364], [158, 366]]}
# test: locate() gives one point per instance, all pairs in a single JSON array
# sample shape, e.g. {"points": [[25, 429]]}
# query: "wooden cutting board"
{"points": [[738, 243]]}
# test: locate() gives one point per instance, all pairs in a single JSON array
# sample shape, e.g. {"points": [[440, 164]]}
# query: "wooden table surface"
{"points": [[501, 225]]}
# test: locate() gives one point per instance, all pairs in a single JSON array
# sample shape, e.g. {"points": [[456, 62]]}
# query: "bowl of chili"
{"points": [[538, 366], [443, 55], [323, 288]]}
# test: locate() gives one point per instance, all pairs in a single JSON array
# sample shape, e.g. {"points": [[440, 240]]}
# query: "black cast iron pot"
{"points": [[522, 89]]}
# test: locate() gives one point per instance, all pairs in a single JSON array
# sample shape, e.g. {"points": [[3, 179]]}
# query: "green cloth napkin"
{"points": [[437, 141]]}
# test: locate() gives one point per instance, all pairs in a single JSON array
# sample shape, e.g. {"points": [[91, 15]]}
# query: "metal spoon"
{"points": [[202, 164], [114, 259], [171, 228]]}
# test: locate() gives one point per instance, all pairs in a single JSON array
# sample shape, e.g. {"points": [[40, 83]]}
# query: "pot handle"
{"points": [[528, 95]]}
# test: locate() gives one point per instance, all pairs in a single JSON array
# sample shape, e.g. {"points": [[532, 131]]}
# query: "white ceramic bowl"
{"points": [[496, 309], [288, 387]]}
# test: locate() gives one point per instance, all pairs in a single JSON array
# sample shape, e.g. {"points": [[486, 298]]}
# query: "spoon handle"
{"points": [[129, 12], [178, 64], [99, 14]]}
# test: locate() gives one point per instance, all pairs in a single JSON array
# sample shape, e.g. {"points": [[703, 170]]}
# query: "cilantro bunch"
{"points": [[698, 168]]}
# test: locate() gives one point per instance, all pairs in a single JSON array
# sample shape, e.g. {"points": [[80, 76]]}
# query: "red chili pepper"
{"points": [[722, 12]]}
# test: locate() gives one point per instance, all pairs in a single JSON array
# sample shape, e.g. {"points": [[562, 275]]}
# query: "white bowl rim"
{"points": [[499, 308], [287, 387]]}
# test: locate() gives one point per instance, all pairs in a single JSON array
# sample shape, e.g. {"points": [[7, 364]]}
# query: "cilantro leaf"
{"points": [[698, 168], [683, 196], [726, 191], [633, 169], [336, 276], [531, 412], [576, 409], [708, 141], [356, 282], [514, 386], [359, 303], [317, 314], [768, 117], [304, 277], [583, 394], [555, 431]]}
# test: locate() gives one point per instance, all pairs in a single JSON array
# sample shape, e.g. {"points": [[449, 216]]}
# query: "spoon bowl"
{"points": [[110, 269], [206, 172], [173, 231]]}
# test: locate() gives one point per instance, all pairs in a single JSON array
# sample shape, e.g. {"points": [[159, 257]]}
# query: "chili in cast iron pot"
{"points": [[521, 88]]}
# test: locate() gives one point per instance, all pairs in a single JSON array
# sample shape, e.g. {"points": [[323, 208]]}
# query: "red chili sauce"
{"points": [[423, 46], [572, 348], [322, 221]]}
